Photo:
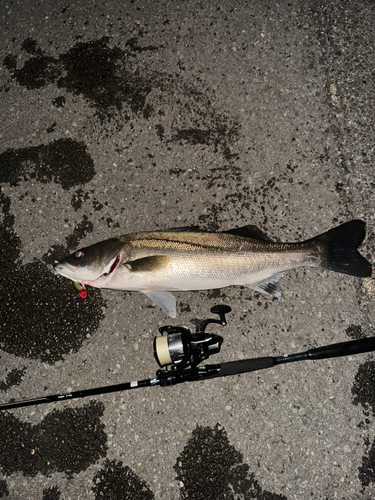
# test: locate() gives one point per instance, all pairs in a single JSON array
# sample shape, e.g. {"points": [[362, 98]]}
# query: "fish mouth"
{"points": [[54, 269], [63, 269]]}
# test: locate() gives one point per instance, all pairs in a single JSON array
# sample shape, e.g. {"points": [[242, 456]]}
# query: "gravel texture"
{"points": [[119, 117]]}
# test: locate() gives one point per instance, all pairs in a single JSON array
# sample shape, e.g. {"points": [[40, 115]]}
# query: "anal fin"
{"points": [[164, 300], [268, 286]]}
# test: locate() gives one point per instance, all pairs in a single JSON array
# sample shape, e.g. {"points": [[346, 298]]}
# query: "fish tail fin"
{"points": [[338, 248]]}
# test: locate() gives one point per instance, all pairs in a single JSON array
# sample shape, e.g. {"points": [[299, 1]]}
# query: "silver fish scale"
{"points": [[199, 261]]}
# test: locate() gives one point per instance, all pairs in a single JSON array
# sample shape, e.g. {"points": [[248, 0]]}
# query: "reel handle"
{"points": [[221, 310]]}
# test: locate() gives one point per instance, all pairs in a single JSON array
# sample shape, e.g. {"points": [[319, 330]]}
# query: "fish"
{"points": [[184, 259]]}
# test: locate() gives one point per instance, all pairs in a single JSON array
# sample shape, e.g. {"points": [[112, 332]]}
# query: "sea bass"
{"points": [[156, 263]]}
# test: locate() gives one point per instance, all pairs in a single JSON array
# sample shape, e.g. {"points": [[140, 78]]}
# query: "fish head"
{"points": [[91, 263]]}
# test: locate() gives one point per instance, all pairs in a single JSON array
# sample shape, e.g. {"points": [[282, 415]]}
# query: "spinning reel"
{"points": [[182, 351]]}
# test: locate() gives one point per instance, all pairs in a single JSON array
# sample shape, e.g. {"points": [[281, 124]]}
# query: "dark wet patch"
{"points": [[93, 69], [132, 43], [68, 440], [42, 316], [78, 198], [63, 161], [59, 102], [80, 231], [211, 467], [221, 135], [29, 45], [113, 81], [36, 72], [4, 492], [52, 493], [210, 219], [14, 377], [184, 307], [118, 482], [355, 332], [367, 471], [51, 128], [249, 200], [160, 131], [216, 294], [9, 242], [111, 225], [176, 172], [363, 386], [97, 205], [10, 62]]}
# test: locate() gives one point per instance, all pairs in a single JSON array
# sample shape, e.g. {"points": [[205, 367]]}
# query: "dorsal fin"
{"points": [[186, 229]]}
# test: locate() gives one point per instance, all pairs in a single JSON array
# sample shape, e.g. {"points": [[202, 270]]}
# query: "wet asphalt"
{"points": [[119, 117]]}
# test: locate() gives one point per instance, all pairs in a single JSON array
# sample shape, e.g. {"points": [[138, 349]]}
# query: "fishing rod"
{"points": [[179, 353]]}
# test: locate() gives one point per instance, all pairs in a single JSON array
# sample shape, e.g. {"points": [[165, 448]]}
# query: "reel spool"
{"points": [[173, 348]]}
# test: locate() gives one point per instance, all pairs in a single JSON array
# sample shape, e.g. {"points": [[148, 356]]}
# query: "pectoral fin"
{"points": [[164, 300], [268, 286], [152, 263]]}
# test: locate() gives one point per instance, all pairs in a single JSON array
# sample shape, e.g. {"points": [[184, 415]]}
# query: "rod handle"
{"points": [[342, 349], [243, 366]]}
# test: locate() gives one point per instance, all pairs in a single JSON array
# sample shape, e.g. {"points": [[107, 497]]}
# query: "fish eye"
{"points": [[79, 254]]}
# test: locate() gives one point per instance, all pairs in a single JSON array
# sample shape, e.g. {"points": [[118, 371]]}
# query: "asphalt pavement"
{"points": [[118, 117]]}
